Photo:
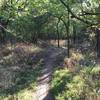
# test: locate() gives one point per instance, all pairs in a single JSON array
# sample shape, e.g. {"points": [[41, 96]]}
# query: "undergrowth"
{"points": [[82, 85], [25, 83]]}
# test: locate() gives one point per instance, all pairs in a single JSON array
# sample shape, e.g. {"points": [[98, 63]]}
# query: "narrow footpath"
{"points": [[52, 56]]}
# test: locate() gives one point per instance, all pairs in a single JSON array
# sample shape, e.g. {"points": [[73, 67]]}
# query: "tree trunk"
{"points": [[74, 35], [2, 35], [34, 37], [58, 35], [58, 40], [98, 42], [68, 37]]}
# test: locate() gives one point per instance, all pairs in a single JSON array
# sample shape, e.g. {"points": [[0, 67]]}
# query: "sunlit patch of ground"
{"points": [[22, 95]]}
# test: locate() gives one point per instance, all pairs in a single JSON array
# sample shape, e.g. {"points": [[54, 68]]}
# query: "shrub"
{"points": [[25, 83], [83, 85], [59, 80]]}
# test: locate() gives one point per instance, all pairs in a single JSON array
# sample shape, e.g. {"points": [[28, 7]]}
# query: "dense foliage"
{"points": [[83, 85]]}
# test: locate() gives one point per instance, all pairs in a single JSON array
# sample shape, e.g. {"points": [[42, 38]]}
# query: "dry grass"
{"points": [[13, 60]]}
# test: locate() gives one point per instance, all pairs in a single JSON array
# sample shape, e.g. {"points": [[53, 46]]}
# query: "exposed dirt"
{"points": [[52, 57], [14, 59]]}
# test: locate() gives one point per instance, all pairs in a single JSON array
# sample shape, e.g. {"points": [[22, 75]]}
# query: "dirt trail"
{"points": [[51, 58]]}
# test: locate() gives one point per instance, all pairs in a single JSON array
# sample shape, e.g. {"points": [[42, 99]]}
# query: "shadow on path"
{"points": [[52, 58]]}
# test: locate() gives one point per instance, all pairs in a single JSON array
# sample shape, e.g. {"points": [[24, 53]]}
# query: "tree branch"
{"points": [[4, 28], [73, 15], [89, 13]]}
